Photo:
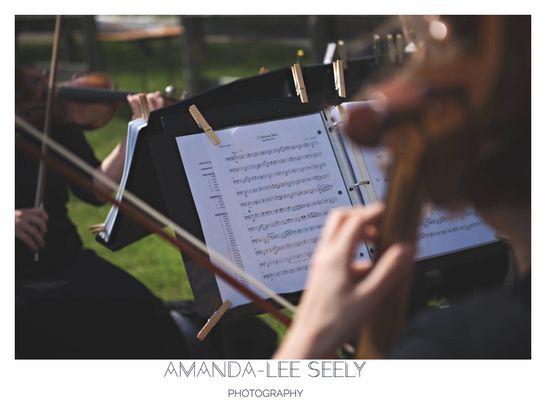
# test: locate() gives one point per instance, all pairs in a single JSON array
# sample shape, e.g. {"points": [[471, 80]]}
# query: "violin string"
{"points": [[219, 260]]}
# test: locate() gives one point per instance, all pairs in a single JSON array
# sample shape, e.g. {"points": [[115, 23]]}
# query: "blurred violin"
{"points": [[88, 101], [453, 113]]}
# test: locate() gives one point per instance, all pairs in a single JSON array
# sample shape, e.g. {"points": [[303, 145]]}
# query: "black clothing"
{"points": [[63, 243], [72, 303], [493, 324], [94, 310]]}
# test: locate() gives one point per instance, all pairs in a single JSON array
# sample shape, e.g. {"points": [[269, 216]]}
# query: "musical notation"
{"points": [[289, 221], [286, 234], [320, 189], [278, 188], [280, 248], [295, 259], [273, 163], [285, 173], [289, 209], [275, 150], [280, 185]]}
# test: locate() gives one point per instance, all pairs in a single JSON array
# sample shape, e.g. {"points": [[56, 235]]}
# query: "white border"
{"points": [[383, 379]]}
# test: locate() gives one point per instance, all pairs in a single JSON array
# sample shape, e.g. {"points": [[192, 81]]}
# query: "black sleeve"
{"points": [[75, 141], [489, 325]]}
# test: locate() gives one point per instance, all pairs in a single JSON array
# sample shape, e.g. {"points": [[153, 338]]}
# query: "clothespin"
{"points": [[263, 70], [97, 228], [144, 110], [400, 47], [342, 52], [339, 77], [299, 83], [203, 124], [377, 50], [213, 320], [391, 48]]}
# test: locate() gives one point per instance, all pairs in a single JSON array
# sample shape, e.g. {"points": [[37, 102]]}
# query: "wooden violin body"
{"points": [[31, 93], [438, 143], [88, 101]]}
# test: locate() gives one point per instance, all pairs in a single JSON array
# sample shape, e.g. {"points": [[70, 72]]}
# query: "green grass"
{"points": [[151, 260]]}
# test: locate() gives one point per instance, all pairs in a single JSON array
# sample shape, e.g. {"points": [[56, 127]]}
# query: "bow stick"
{"points": [[41, 180], [152, 220]]}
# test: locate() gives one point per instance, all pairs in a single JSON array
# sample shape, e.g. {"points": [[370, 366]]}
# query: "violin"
{"points": [[88, 101], [474, 98]]}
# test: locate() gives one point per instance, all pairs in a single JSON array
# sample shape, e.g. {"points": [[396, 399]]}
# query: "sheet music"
{"points": [[274, 184], [133, 129], [440, 232]]}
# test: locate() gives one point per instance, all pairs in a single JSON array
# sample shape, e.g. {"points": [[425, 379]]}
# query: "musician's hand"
{"points": [[31, 227], [342, 293], [155, 101]]}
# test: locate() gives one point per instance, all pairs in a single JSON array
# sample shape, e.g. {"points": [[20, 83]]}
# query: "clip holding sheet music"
{"points": [[203, 124], [339, 78], [301, 91], [400, 48], [213, 320], [377, 49]]}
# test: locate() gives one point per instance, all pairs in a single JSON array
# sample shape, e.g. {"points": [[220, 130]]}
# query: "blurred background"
{"points": [[189, 53]]}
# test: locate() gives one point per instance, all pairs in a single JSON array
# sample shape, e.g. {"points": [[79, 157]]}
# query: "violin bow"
{"points": [[42, 170], [152, 220]]}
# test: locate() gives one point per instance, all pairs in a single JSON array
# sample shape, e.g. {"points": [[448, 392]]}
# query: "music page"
{"points": [[133, 130], [440, 232], [274, 183]]}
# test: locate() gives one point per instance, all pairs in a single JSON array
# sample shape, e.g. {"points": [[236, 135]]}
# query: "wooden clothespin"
{"points": [[301, 91], [391, 48], [377, 50], [400, 48], [213, 320], [97, 228], [339, 78], [203, 124], [342, 52], [144, 109]]}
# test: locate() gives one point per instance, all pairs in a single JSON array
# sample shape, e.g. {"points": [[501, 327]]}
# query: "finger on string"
{"points": [[132, 100], [154, 100], [387, 270], [334, 220], [361, 269], [353, 229]]}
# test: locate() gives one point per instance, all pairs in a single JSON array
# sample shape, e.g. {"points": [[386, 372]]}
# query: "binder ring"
{"points": [[356, 185]]}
